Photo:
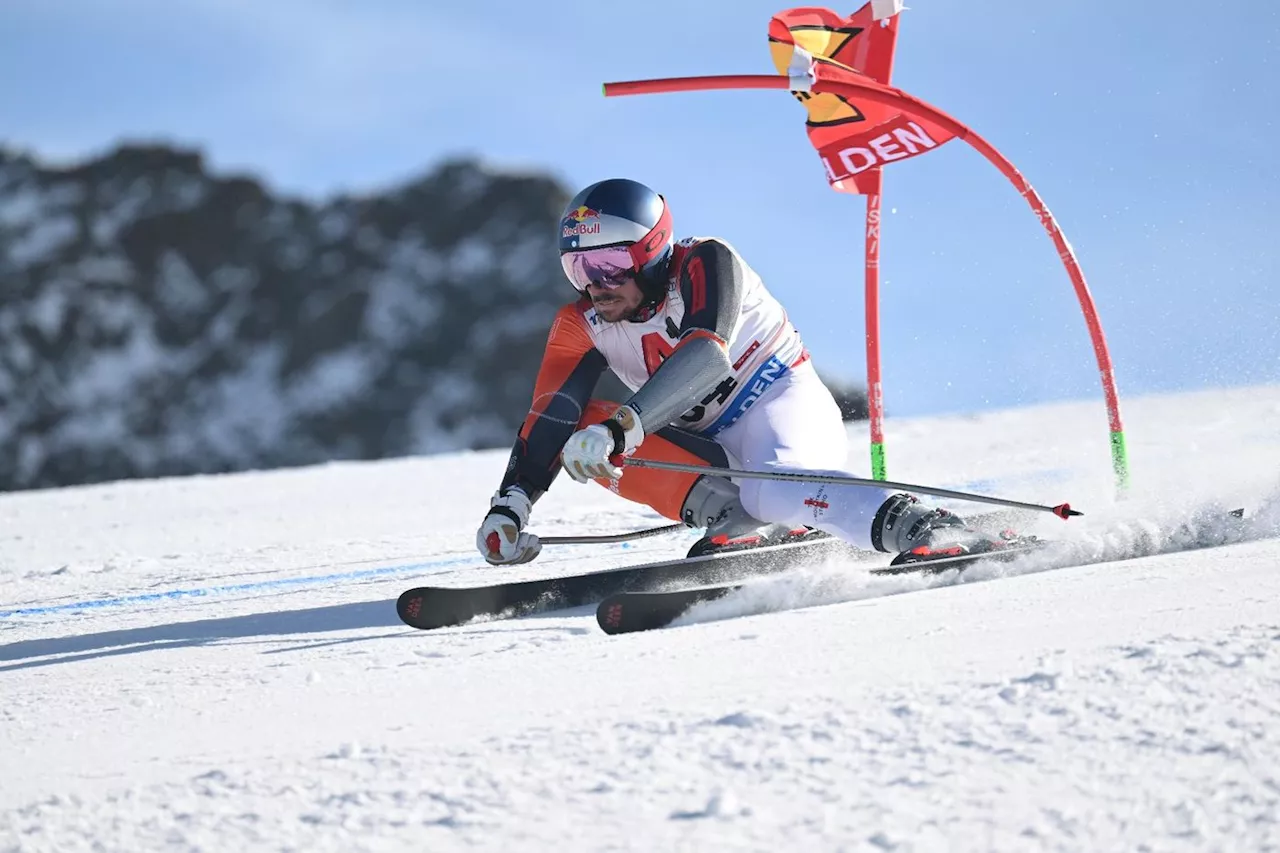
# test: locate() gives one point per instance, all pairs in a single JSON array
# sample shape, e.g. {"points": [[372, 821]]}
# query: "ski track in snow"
{"points": [[214, 663]]}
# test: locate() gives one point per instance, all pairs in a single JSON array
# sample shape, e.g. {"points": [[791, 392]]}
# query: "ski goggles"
{"points": [[607, 266]]}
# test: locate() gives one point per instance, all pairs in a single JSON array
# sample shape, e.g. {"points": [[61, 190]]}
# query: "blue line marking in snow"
{"points": [[278, 583], [205, 591]]}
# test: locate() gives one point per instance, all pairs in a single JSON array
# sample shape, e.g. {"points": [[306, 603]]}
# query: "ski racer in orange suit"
{"points": [[719, 377]]}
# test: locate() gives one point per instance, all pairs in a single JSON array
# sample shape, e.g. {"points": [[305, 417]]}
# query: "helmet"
{"points": [[614, 228]]}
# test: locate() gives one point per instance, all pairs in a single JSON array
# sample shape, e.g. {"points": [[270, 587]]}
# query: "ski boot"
{"points": [[713, 503], [918, 533]]}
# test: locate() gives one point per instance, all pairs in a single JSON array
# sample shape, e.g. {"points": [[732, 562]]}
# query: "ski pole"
{"points": [[1063, 510], [609, 538]]}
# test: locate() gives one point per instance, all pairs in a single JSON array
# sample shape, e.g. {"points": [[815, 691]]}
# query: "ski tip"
{"points": [[609, 614], [1064, 511], [409, 606]]}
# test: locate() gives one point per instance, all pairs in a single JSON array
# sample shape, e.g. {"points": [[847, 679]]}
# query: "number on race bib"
{"points": [[656, 350], [719, 394]]}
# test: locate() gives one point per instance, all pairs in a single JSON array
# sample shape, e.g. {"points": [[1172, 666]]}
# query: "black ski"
{"points": [[629, 611], [429, 607], [644, 611]]}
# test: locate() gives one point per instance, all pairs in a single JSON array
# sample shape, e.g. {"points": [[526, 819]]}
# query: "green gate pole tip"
{"points": [[1120, 461], [878, 470]]}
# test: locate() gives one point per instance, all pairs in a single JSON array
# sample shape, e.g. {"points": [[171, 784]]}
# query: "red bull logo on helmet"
{"points": [[580, 220]]}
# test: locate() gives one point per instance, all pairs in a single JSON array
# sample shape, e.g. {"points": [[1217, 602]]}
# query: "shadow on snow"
{"points": [[314, 620]]}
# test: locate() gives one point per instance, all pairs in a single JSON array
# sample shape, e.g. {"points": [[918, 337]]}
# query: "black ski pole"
{"points": [[609, 538], [1063, 510]]}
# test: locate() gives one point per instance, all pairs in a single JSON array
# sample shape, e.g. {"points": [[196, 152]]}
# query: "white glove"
{"points": [[500, 538], [586, 455], [596, 452]]}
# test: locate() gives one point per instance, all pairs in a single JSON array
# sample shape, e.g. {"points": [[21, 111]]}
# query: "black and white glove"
{"points": [[596, 452], [501, 538]]}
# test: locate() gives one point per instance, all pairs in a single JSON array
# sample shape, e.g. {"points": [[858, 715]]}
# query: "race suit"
{"points": [[748, 397]]}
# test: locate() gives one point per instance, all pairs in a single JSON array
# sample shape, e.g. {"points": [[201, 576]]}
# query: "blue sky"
{"points": [[1149, 129]]}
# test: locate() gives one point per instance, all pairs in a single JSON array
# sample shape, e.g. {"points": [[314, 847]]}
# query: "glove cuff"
{"points": [[512, 503], [624, 426], [508, 513]]}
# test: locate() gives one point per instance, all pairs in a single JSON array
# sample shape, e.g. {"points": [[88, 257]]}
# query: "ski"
{"points": [[905, 563], [629, 611], [431, 607], [688, 580]]}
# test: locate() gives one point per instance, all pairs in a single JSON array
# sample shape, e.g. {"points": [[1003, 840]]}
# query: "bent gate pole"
{"points": [[871, 91]]}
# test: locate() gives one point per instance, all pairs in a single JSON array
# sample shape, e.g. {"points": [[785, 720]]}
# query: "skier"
{"points": [[720, 377]]}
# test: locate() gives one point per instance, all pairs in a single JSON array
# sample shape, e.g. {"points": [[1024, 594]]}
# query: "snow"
{"points": [[400, 304], [180, 292], [102, 270], [332, 379], [48, 310], [113, 372], [41, 240], [214, 663], [21, 205], [118, 211], [245, 411]]}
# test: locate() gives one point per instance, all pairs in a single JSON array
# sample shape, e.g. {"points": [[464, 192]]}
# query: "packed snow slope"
{"points": [[214, 663]]}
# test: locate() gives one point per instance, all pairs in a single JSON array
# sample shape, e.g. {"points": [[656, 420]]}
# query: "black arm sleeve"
{"points": [[535, 458], [712, 283]]}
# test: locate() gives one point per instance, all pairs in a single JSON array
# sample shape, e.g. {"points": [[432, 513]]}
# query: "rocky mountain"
{"points": [[157, 318]]}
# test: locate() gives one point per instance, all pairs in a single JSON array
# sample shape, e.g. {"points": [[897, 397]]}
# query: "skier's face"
{"points": [[614, 304]]}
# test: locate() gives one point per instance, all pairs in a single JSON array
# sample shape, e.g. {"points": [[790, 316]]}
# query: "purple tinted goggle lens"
{"points": [[609, 266]]}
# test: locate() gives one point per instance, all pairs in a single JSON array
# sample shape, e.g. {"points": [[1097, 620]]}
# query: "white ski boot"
{"points": [[917, 533]]}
